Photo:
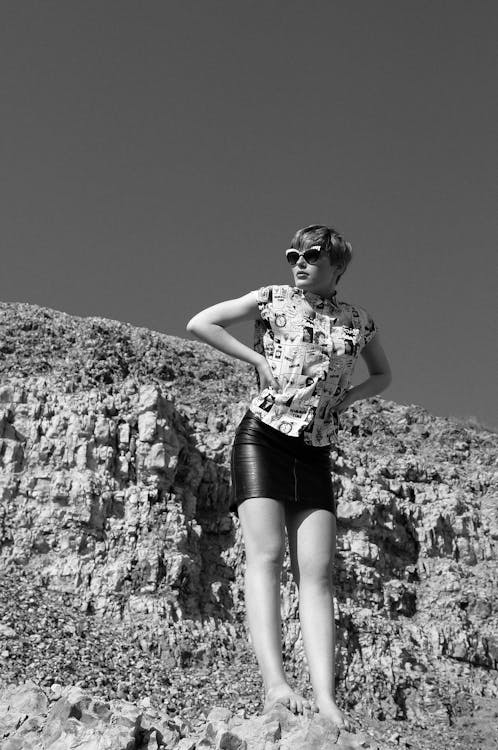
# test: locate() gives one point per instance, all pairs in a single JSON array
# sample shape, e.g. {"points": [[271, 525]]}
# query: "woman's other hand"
{"points": [[380, 376], [346, 402]]}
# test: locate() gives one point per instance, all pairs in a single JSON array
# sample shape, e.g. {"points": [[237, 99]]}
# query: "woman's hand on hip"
{"points": [[266, 377], [347, 401]]}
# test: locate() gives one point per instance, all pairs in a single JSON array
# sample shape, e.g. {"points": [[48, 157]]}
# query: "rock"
{"points": [[7, 632], [20, 703], [77, 719], [186, 744]]}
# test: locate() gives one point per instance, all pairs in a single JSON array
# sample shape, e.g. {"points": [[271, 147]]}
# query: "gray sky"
{"points": [[157, 157]]}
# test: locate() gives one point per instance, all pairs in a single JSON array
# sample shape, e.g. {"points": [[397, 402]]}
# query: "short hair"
{"points": [[339, 251]]}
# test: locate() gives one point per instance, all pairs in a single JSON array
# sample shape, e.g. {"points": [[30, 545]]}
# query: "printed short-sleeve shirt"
{"points": [[311, 344]]}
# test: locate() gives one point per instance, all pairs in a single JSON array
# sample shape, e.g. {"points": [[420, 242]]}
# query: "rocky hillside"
{"points": [[114, 487]]}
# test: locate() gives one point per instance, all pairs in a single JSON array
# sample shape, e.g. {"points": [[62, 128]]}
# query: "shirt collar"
{"points": [[316, 299]]}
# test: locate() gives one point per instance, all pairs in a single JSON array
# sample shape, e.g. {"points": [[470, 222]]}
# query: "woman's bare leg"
{"points": [[312, 547], [263, 529]]}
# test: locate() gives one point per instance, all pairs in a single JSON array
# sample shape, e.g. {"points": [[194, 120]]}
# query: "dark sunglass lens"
{"points": [[312, 255], [292, 257]]}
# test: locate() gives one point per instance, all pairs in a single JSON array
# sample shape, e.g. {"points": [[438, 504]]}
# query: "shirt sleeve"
{"points": [[264, 297]]}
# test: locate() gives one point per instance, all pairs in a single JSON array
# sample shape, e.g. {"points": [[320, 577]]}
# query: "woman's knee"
{"points": [[267, 551], [312, 543], [263, 529], [317, 569]]}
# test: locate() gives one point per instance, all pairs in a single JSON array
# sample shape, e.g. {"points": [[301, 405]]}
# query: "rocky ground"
{"points": [[121, 570], [45, 640]]}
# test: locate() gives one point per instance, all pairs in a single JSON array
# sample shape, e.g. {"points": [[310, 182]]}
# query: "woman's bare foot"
{"points": [[328, 709], [287, 697]]}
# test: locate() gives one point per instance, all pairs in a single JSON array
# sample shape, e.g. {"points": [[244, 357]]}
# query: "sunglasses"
{"points": [[311, 255]]}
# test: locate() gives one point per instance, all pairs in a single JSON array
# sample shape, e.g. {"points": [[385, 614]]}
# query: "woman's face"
{"points": [[319, 277]]}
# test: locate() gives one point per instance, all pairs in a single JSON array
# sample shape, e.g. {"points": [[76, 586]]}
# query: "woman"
{"points": [[306, 345]]}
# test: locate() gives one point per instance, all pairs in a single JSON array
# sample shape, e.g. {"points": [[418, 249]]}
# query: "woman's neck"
{"points": [[326, 293]]}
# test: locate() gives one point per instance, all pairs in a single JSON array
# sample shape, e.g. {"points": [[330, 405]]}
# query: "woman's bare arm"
{"points": [[209, 326], [379, 371]]}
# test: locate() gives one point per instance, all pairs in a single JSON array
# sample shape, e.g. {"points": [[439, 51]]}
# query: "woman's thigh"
{"points": [[262, 520], [312, 539]]}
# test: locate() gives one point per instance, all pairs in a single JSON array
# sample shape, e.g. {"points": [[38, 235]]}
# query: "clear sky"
{"points": [[157, 157]]}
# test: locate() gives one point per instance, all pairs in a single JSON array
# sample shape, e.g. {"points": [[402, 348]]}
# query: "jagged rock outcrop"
{"points": [[114, 487], [110, 492]]}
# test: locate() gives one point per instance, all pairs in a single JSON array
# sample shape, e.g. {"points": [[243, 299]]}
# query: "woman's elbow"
{"points": [[194, 324], [383, 378], [387, 379], [198, 325]]}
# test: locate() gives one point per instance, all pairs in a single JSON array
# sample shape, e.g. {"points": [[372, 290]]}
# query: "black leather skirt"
{"points": [[267, 463]]}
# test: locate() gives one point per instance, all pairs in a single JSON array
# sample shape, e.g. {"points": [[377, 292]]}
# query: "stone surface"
{"points": [[66, 719], [114, 489]]}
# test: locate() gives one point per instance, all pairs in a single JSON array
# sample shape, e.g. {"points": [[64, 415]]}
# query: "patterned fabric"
{"points": [[311, 344]]}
